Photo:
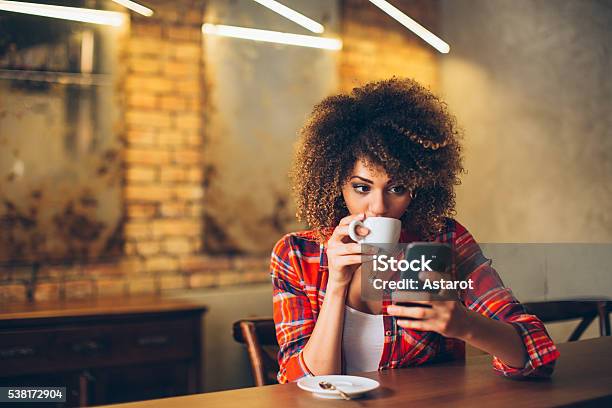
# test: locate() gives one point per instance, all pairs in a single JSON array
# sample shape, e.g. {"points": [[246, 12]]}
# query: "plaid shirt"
{"points": [[299, 274]]}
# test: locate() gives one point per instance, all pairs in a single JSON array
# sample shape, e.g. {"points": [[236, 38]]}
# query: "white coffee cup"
{"points": [[383, 230]]}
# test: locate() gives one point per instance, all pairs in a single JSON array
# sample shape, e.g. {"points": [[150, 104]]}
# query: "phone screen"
{"points": [[437, 256]]}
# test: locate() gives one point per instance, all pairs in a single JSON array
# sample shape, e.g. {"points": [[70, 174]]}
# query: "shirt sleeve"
{"points": [[293, 317], [490, 298]]}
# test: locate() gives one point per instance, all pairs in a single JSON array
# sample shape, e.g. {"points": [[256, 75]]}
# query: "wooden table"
{"points": [[583, 376]]}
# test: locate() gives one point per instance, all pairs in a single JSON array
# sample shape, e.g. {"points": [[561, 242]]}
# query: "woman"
{"points": [[388, 149]]}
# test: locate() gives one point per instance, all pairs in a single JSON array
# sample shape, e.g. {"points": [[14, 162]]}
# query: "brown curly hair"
{"points": [[395, 124]]}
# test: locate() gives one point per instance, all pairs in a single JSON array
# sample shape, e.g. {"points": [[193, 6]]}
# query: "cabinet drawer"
{"points": [[99, 345], [24, 349]]}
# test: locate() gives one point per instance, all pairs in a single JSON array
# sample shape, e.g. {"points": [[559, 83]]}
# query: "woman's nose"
{"points": [[378, 207]]}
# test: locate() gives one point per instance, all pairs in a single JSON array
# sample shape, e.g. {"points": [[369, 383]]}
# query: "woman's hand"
{"points": [[450, 318], [344, 255]]}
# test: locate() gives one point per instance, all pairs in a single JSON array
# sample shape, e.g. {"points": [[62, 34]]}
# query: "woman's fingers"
{"points": [[411, 312], [347, 260], [342, 231], [349, 218], [422, 325], [354, 249]]}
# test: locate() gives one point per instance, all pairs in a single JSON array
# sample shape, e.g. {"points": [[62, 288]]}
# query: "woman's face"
{"points": [[371, 192]]}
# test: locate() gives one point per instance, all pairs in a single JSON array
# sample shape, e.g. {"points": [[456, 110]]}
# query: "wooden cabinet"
{"points": [[104, 351]]}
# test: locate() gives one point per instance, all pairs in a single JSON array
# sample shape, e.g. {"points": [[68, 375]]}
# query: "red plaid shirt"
{"points": [[299, 274]]}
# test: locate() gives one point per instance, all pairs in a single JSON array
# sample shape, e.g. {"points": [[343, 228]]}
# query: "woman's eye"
{"points": [[398, 189], [361, 188]]}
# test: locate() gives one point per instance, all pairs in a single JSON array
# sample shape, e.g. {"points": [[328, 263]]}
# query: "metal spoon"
{"points": [[329, 386]]}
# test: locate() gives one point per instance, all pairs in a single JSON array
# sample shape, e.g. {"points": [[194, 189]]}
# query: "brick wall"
{"points": [[163, 92]]}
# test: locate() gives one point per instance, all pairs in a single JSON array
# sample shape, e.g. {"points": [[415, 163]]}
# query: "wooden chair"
{"points": [[260, 338], [587, 311]]}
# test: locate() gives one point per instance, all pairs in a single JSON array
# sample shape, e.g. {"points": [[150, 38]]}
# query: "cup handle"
{"points": [[352, 233]]}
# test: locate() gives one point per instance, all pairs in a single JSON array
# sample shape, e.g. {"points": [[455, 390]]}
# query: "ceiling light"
{"points": [[272, 36], [292, 15], [84, 15], [413, 26], [138, 8]]}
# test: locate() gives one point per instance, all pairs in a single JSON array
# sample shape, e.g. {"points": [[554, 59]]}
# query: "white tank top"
{"points": [[363, 339]]}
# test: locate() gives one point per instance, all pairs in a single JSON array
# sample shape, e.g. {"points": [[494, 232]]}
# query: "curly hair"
{"points": [[395, 124]]}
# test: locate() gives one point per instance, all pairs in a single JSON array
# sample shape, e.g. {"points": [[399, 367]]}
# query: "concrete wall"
{"points": [[529, 83], [226, 363]]}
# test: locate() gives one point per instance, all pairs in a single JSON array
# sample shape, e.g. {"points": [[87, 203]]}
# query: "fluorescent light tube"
{"points": [[292, 15], [272, 36], [84, 15], [413, 26], [138, 8]]}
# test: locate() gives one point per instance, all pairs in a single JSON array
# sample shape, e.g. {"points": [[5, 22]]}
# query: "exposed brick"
{"points": [[79, 289], [112, 287], [95, 271], [51, 273], [196, 209], [174, 209], [12, 293], [173, 281], [251, 263], [148, 46], [172, 139], [194, 17], [193, 139], [173, 103], [140, 29], [186, 51], [131, 265], [256, 276], [230, 278], [168, 14], [142, 100], [130, 249], [173, 174], [176, 227], [183, 69], [139, 285], [137, 230], [202, 280], [146, 66], [157, 119], [184, 33], [177, 245], [147, 156], [147, 193], [141, 173], [187, 156], [147, 248], [136, 211], [47, 291], [161, 263], [195, 175], [192, 192], [188, 89], [139, 137], [157, 84], [200, 263]]}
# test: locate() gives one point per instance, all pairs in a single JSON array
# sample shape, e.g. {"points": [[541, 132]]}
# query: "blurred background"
{"points": [[146, 156]]}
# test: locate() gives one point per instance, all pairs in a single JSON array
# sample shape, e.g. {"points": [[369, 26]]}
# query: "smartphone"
{"points": [[436, 256]]}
